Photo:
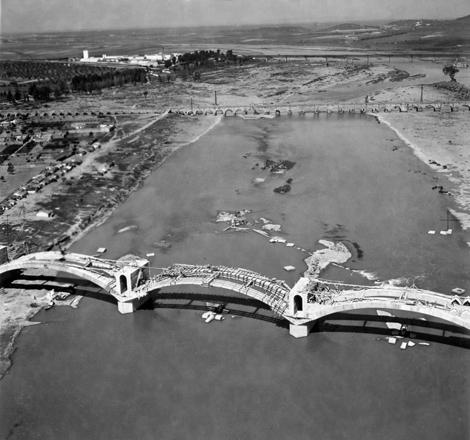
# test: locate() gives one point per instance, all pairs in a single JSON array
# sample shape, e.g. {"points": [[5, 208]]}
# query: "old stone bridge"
{"points": [[265, 109], [345, 107], [128, 280]]}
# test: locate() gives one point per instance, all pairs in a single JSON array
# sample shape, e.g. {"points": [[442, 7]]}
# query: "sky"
{"points": [[60, 15]]}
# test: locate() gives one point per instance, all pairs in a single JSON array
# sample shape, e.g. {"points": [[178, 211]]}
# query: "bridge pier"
{"points": [[301, 330], [132, 305]]}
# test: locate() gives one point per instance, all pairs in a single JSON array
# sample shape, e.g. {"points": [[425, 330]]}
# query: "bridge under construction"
{"points": [[129, 281]]}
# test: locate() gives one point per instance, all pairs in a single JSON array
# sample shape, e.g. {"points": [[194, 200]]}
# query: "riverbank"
{"points": [[441, 140], [20, 305], [186, 132]]}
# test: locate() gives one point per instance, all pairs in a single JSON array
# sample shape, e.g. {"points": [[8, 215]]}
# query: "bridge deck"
{"points": [[324, 298], [272, 292], [318, 297]]}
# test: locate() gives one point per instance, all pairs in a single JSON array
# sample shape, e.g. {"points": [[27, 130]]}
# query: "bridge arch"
{"points": [[217, 111], [298, 304], [208, 111], [269, 291], [101, 281], [456, 314], [277, 112], [227, 111], [123, 283]]}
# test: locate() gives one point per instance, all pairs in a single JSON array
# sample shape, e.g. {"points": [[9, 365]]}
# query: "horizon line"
{"points": [[275, 23]]}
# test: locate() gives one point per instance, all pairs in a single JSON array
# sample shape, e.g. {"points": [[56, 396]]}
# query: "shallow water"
{"points": [[357, 90], [93, 373]]}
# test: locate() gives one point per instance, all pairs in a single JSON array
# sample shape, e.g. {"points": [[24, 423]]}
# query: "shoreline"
{"points": [[23, 314], [138, 184], [434, 149]]}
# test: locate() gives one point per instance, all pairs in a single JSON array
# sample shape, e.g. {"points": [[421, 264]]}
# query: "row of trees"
{"points": [[57, 79], [204, 57], [113, 78], [53, 71]]}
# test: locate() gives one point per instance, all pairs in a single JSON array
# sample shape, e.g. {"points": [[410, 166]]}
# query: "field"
{"points": [[436, 37]]}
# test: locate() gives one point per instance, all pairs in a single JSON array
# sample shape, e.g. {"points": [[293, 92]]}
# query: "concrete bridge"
{"points": [[128, 280], [285, 109], [311, 299]]}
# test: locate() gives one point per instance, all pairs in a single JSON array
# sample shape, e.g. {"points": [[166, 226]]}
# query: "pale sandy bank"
{"points": [[442, 138]]}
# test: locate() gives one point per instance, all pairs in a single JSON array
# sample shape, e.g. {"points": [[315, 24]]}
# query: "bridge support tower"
{"points": [[130, 276], [127, 279]]}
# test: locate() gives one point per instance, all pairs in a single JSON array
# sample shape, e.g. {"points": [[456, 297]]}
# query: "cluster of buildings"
{"points": [[35, 184], [140, 60]]}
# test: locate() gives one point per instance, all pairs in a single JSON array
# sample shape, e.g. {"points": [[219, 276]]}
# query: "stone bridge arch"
{"points": [[227, 112]]}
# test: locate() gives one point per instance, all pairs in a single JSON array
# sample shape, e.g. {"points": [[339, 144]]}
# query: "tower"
{"points": [[85, 54]]}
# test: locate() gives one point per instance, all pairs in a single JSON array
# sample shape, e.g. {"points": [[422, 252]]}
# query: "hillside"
{"points": [[348, 26]]}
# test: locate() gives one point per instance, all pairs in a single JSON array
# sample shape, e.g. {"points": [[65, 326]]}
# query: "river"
{"points": [[163, 373]]}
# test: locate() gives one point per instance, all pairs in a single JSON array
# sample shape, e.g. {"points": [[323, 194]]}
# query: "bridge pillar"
{"points": [[132, 305], [301, 330]]}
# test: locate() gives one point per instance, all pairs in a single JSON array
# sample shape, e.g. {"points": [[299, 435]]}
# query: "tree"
{"points": [[450, 70], [167, 64]]}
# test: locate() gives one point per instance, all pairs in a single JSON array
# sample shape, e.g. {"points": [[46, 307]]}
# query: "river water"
{"points": [[92, 373]]}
